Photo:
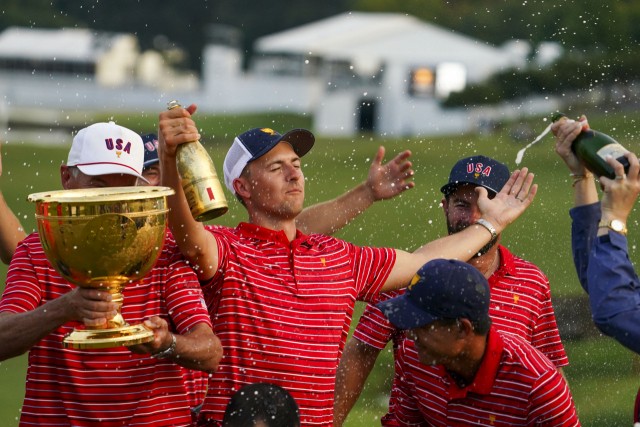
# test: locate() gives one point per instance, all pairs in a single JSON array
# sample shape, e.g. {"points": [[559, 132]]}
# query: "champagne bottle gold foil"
{"points": [[103, 239], [199, 179]]}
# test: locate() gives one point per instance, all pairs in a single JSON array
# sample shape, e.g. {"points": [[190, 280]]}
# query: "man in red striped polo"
{"points": [[280, 301], [520, 293], [142, 385], [458, 370]]}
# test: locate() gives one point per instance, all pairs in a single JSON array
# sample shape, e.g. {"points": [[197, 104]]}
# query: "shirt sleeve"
{"points": [[371, 268], [22, 291], [546, 336], [614, 290], [583, 232], [373, 328], [405, 411], [211, 286], [183, 296], [551, 404]]}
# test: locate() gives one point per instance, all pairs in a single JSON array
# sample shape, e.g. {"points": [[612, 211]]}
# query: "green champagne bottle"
{"points": [[592, 148]]}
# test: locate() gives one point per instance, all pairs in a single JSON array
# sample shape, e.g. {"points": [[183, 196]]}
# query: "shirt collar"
{"points": [[507, 265], [261, 233], [486, 375]]}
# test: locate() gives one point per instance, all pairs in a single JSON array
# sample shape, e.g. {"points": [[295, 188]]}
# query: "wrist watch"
{"points": [[616, 225], [486, 224], [168, 352]]}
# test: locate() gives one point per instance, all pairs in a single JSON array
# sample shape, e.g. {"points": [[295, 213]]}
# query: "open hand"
{"points": [[162, 338], [566, 132], [516, 195], [621, 193], [387, 181], [175, 127]]}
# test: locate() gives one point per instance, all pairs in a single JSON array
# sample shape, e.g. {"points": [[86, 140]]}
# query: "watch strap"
{"points": [[486, 224], [168, 352]]}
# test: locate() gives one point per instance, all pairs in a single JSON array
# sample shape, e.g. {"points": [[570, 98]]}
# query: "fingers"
{"points": [[583, 121], [618, 169], [512, 180], [377, 160], [634, 167], [522, 194], [532, 194], [191, 109], [482, 192], [517, 186], [401, 157]]}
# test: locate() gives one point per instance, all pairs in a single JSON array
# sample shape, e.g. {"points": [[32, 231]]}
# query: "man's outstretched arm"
{"points": [[11, 232], [198, 246], [384, 182], [356, 364], [500, 211]]}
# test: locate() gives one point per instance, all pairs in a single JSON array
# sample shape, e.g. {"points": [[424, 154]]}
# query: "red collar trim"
{"points": [[507, 266], [486, 375], [261, 233]]}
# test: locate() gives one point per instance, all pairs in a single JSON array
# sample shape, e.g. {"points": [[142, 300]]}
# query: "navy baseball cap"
{"points": [[478, 170], [257, 142], [150, 141], [442, 288]]}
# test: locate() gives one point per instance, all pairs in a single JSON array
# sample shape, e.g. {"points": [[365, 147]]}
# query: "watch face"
{"points": [[617, 225]]}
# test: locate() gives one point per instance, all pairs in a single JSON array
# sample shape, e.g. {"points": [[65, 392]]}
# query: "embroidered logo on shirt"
{"points": [[516, 298], [323, 262], [492, 418]]}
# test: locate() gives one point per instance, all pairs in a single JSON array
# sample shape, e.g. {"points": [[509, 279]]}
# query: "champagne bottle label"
{"points": [[613, 150]]}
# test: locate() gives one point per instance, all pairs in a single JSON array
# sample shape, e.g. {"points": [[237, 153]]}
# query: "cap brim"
{"points": [[107, 169], [301, 140], [150, 162], [451, 187], [403, 314]]}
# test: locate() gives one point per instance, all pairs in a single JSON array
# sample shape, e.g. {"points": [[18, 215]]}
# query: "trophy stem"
{"points": [[115, 333]]}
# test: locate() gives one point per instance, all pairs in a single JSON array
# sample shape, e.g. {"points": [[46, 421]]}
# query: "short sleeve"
{"points": [[373, 328], [22, 292], [551, 404], [405, 412], [546, 337], [371, 268], [184, 299], [210, 287]]}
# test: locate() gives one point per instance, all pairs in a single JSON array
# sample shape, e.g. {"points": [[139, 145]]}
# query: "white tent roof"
{"points": [[385, 36], [67, 44]]}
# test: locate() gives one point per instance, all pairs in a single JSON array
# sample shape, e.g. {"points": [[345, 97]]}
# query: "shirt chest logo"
{"points": [[516, 298], [492, 418]]}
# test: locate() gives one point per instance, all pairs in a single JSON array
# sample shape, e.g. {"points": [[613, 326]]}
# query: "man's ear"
{"points": [[241, 186], [65, 176], [445, 204], [465, 328]]}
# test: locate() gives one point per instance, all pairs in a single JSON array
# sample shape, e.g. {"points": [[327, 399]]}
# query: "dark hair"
{"points": [[480, 327], [263, 403]]}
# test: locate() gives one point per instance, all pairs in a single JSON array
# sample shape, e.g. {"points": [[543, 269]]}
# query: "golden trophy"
{"points": [[199, 179], [104, 239]]}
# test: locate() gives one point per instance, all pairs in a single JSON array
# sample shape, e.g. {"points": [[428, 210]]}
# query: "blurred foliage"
{"points": [[572, 72]]}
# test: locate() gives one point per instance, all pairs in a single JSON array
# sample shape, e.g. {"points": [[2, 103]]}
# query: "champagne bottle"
{"points": [[592, 148], [199, 179]]}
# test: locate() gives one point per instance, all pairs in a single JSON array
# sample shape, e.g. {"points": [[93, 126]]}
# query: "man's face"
{"points": [[69, 182], [275, 183], [437, 344], [152, 174], [461, 211]]}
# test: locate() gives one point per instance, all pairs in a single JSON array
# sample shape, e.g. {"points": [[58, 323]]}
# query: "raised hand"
{"points": [[620, 193], [516, 196], [175, 127], [566, 132], [389, 180]]}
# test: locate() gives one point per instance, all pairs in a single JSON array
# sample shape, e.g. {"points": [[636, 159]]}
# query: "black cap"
{"points": [[477, 170], [441, 289], [150, 141]]}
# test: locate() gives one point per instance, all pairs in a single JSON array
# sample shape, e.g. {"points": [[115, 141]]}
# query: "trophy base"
{"points": [[106, 338]]}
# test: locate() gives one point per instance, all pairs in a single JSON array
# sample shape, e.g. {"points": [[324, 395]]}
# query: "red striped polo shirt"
{"points": [[282, 311], [112, 386], [516, 385], [520, 305]]}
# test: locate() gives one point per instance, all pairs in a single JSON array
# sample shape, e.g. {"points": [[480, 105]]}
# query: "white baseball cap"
{"points": [[106, 148]]}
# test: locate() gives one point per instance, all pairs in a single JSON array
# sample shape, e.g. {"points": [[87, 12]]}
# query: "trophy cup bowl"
{"points": [[104, 239]]}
